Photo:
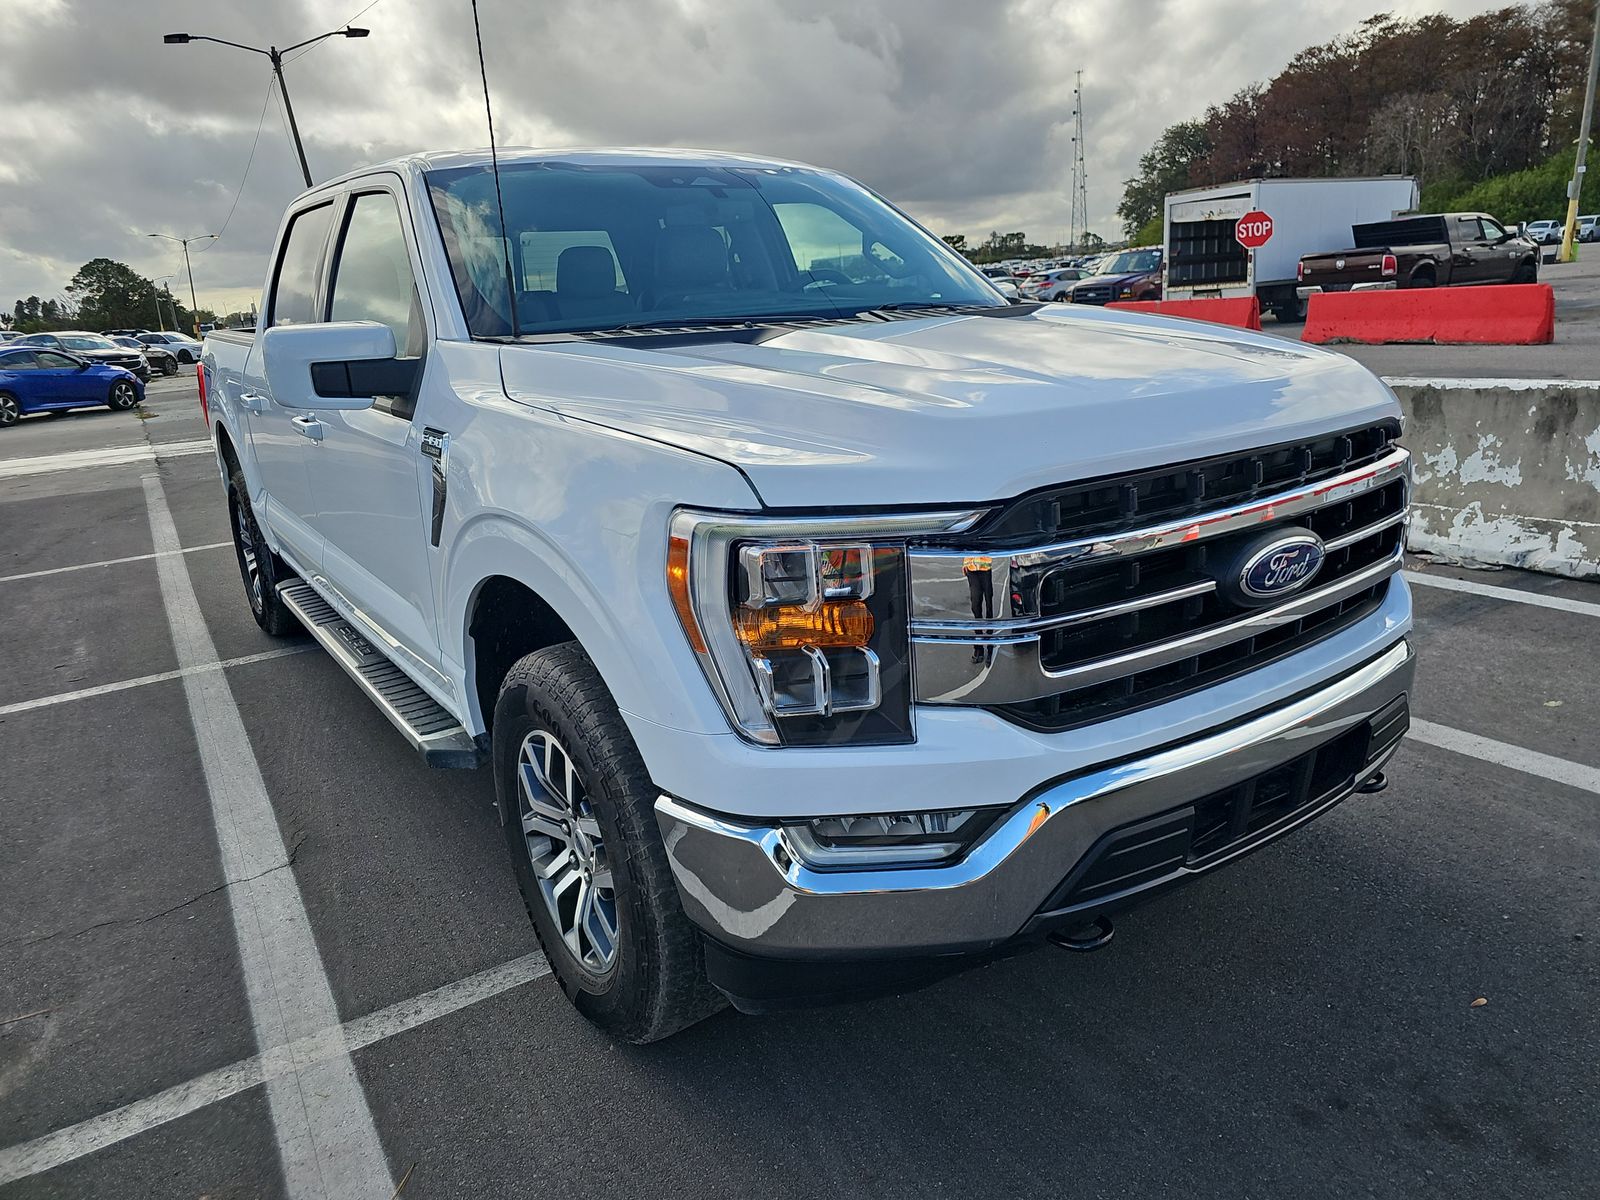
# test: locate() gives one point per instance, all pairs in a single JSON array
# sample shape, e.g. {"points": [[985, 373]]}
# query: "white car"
{"points": [[1545, 233], [1053, 285], [815, 639], [181, 345]]}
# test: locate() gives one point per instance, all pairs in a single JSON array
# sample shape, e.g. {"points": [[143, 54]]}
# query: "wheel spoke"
{"points": [[534, 794], [566, 879], [560, 861], [537, 822], [591, 828]]}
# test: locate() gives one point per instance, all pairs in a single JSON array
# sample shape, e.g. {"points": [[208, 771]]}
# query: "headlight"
{"points": [[802, 627]]}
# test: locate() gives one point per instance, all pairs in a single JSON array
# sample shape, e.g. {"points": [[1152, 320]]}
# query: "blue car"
{"points": [[37, 380]]}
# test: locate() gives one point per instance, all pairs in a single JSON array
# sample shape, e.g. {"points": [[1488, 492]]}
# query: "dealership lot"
{"points": [[1303, 1026]]}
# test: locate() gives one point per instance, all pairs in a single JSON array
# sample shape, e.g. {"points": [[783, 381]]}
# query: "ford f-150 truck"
{"points": [[1439, 250], [826, 621]]}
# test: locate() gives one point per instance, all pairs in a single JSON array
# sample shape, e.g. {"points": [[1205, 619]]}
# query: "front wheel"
{"points": [[185, 357], [169, 366], [10, 410], [1528, 272], [259, 567], [577, 807], [123, 395]]}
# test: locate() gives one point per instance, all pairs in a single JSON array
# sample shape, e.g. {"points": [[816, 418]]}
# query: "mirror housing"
{"points": [[337, 365]]}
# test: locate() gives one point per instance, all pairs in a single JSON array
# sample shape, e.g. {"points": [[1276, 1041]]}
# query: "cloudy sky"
{"points": [[957, 109]]}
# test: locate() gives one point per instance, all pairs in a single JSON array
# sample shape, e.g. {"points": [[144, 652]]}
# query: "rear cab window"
{"points": [[294, 284]]}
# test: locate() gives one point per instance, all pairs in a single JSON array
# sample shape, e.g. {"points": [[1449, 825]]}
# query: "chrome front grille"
{"points": [[1062, 632]]}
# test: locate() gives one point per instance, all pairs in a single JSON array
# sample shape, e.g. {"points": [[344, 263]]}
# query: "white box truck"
{"points": [[1205, 259]]}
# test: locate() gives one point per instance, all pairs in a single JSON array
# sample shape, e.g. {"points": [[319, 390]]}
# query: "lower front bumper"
{"points": [[1059, 854]]}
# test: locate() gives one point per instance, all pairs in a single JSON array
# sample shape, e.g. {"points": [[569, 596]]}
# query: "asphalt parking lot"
{"points": [[1303, 1025]]}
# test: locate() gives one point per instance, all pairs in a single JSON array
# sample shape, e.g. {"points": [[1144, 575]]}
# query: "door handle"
{"points": [[252, 402], [309, 427]]}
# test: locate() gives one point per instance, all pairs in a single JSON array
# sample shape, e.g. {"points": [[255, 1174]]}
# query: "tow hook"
{"points": [[1083, 938], [1374, 785]]}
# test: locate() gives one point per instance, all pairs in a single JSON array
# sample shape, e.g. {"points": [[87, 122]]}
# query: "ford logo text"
{"points": [[1282, 567]]}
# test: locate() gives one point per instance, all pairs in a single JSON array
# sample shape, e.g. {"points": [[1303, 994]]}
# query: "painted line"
{"points": [[87, 1137], [122, 685], [1515, 595], [77, 460], [1504, 754], [1513, 385], [109, 562], [328, 1144]]}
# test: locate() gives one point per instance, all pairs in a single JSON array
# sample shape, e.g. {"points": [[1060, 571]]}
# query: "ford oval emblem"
{"points": [[1282, 566]]}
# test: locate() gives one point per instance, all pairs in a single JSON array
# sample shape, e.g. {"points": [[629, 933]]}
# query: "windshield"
{"points": [[81, 341], [1130, 262], [604, 247]]}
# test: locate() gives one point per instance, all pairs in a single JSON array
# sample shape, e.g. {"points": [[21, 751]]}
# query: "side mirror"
{"points": [[334, 366]]}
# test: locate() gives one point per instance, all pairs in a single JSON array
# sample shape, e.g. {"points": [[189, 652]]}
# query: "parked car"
{"points": [[91, 346], [36, 379], [159, 357], [1127, 275], [1433, 250], [181, 344], [1589, 228], [1003, 282], [9, 335], [1052, 285], [814, 643], [1545, 233]]}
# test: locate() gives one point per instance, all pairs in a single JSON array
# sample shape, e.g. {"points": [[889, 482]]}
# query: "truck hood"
{"points": [[953, 410], [1113, 280]]}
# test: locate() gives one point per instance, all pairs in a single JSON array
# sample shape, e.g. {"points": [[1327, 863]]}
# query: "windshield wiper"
{"points": [[931, 306]]}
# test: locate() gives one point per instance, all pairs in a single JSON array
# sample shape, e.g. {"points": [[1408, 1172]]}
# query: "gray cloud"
{"points": [[956, 109]]}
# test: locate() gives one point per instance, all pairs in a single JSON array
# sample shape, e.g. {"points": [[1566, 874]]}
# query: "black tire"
{"points": [[169, 366], [185, 357], [1527, 272], [260, 569], [122, 396], [655, 984], [10, 410], [1422, 279], [1290, 312]]}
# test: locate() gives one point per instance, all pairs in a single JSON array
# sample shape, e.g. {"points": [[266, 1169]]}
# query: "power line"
{"points": [[256, 141], [351, 21]]}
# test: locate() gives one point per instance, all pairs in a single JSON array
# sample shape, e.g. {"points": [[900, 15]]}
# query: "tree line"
{"points": [[105, 295], [1456, 103]]}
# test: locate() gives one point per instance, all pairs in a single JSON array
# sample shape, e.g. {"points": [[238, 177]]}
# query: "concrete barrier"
{"points": [[1507, 471], [1522, 314], [1241, 313]]}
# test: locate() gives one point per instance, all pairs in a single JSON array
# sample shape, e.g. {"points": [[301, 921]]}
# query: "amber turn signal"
{"points": [[844, 623]]}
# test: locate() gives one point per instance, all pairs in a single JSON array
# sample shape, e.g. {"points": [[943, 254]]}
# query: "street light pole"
{"points": [[194, 303], [161, 321], [1568, 250], [275, 57]]}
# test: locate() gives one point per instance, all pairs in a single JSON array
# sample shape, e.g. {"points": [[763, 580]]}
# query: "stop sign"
{"points": [[1253, 229]]}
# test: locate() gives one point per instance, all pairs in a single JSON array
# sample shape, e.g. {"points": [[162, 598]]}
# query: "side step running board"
{"points": [[433, 732]]}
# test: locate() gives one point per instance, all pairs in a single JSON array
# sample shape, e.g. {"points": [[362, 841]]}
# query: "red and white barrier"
{"points": [[1521, 314], [1242, 313]]}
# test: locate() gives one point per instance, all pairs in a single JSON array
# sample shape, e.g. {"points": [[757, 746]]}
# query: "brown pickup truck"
{"points": [[1437, 250]]}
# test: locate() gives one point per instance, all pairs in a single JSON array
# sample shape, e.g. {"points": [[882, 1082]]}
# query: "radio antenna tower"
{"points": [[1078, 226]]}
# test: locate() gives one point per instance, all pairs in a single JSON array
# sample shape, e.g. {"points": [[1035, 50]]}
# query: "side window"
{"points": [[18, 360], [372, 278], [294, 289], [49, 361], [1493, 231]]}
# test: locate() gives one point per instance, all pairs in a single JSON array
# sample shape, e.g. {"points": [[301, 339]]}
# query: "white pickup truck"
{"points": [[827, 621]]}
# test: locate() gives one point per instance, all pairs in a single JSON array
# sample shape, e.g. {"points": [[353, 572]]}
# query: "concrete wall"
{"points": [[1507, 471]]}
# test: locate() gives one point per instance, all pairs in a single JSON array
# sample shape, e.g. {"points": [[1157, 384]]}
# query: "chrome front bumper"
{"points": [[747, 888]]}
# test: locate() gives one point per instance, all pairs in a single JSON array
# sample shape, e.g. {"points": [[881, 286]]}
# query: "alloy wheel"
{"points": [[123, 395], [248, 558], [9, 412], [567, 851]]}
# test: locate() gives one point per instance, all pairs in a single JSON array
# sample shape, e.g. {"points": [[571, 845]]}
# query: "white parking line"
{"points": [[77, 460], [86, 1137], [108, 562], [1516, 595], [1504, 754], [328, 1144], [123, 685]]}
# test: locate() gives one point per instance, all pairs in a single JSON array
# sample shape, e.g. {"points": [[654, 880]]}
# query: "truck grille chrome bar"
{"points": [[1048, 633]]}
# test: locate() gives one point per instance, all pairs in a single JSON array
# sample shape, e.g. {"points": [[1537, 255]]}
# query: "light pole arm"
{"points": [[200, 37]]}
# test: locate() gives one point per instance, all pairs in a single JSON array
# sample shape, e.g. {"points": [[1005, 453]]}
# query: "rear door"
{"points": [[281, 436], [369, 473]]}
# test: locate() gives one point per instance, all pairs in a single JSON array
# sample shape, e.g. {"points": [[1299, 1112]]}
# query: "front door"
{"points": [[371, 510], [282, 431], [65, 383]]}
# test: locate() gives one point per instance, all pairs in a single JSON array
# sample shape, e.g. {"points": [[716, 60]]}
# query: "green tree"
{"points": [[956, 242], [111, 295], [1151, 233], [1165, 167]]}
